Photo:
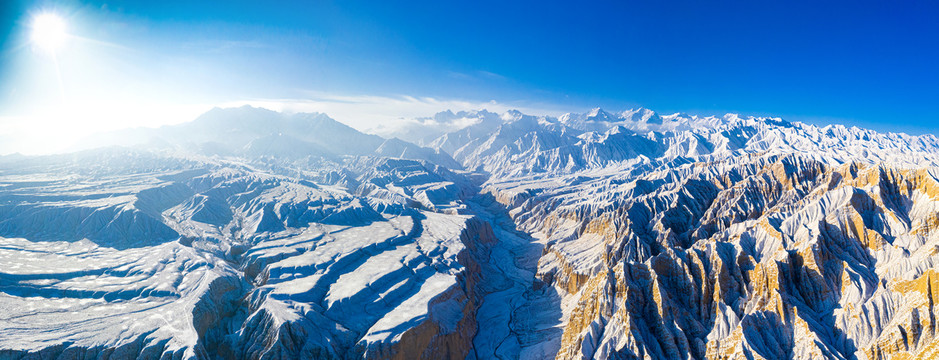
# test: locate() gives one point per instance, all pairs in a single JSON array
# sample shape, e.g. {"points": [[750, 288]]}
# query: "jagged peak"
{"points": [[599, 114], [618, 129], [446, 114], [449, 115], [512, 115], [641, 115]]}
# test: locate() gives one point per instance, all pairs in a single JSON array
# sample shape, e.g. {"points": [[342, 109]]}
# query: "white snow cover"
{"points": [[253, 234], [143, 253]]}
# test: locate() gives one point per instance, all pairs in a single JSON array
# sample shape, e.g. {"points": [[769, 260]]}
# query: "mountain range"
{"points": [[253, 234]]}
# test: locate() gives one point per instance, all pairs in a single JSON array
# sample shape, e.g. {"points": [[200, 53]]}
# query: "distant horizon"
{"points": [[70, 68], [290, 108]]}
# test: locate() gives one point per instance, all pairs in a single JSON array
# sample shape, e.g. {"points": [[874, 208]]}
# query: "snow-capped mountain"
{"points": [[423, 131], [253, 234], [253, 132]]}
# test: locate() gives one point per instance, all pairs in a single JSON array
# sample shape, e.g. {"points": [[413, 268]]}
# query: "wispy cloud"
{"points": [[491, 75], [477, 75]]}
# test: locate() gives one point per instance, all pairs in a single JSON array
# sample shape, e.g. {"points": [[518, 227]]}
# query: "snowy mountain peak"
{"points": [[253, 234], [512, 116], [598, 114]]}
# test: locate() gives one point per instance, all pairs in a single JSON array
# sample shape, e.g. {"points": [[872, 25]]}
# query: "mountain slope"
{"points": [[188, 257], [691, 244], [253, 132], [252, 234]]}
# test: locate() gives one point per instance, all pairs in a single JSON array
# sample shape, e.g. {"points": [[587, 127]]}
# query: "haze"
{"points": [[111, 65]]}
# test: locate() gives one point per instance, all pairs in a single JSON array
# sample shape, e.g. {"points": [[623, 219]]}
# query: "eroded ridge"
{"points": [[597, 235]]}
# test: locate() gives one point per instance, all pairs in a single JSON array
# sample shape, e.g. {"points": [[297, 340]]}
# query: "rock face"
{"points": [[599, 235], [724, 237]]}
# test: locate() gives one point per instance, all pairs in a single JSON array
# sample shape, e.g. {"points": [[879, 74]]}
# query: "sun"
{"points": [[48, 31]]}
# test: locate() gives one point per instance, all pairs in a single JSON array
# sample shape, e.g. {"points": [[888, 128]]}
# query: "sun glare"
{"points": [[48, 31]]}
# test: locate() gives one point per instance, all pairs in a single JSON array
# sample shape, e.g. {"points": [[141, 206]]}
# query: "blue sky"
{"points": [[870, 64]]}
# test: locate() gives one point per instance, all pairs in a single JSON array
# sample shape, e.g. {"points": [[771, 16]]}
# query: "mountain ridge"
{"points": [[595, 235]]}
